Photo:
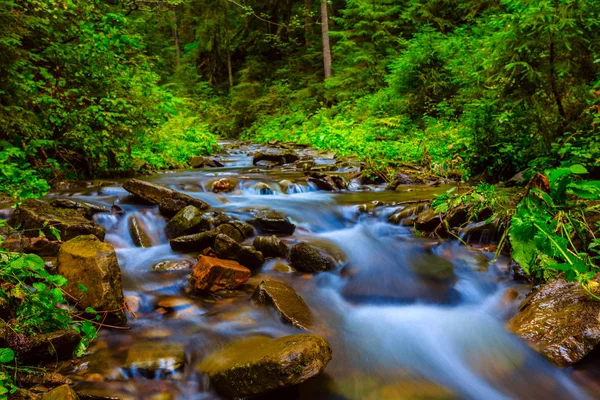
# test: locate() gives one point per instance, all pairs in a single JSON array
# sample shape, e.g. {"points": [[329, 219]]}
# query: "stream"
{"points": [[395, 334]]}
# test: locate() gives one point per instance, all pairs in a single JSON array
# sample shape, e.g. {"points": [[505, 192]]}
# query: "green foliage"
{"points": [[483, 197], [546, 227]]}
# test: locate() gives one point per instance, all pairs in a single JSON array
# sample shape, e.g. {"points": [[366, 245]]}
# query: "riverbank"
{"points": [[402, 313]]}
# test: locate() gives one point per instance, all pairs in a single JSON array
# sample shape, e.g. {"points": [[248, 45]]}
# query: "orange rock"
{"points": [[223, 185], [213, 274]]}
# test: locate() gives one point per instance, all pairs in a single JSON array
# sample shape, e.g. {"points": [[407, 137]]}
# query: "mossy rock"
{"points": [[258, 365], [272, 222], [306, 258], [226, 247], [194, 243], [186, 222], [271, 246], [33, 216]]}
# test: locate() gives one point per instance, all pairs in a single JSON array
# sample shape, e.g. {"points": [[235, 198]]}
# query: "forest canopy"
{"points": [[476, 88]]}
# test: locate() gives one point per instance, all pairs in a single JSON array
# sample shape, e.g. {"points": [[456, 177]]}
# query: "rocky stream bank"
{"points": [[270, 272]]}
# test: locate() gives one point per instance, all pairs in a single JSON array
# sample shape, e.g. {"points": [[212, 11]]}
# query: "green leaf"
{"points": [[578, 169], [6, 355]]}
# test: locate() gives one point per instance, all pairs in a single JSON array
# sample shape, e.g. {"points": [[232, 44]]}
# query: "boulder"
{"points": [[33, 216], [272, 222], [87, 209], [400, 179], [263, 189], [63, 392], [406, 212], [169, 207], [137, 230], [428, 220], [172, 265], [259, 365], [245, 229], [41, 246], [154, 194], [306, 258], [226, 247], [203, 162], [42, 348], [87, 261], [194, 243], [155, 360], [231, 231], [223, 185], [187, 221], [275, 158], [560, 320], [213, 274], [271, 246], [286, 301]]}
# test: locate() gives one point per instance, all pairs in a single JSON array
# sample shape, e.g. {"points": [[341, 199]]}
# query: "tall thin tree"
{"points": [[325, 35]]}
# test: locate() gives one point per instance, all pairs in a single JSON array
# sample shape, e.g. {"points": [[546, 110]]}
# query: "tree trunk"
{"points": [[176, 36], [325, 34], [229, 67], [307, 22]]}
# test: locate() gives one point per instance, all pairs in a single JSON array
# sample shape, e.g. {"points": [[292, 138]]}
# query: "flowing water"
{"points": [[394, 333]]}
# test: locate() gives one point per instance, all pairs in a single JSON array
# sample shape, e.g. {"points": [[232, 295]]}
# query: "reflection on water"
{"points": [[407, 317]]}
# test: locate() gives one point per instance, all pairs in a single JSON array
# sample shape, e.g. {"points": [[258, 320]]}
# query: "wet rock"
{"points": [[87, 261], [330, 183], [306, 258], [483, 232], [22, 394], [170, 207], [271, 246], [400, 179], [213, 274], [63, 392], [137, 230], [245, 229], [428, 220], [43, 348], [223, 185], [231, 231], [87, 209], [33, 216], [263, 188], [116, 210], [560, 320], [32, 245], [154, 193], [406, 212], [272, 222], [457, 217], [194, 243], [305, 164], [172, 265], [217, 218], [286, 301], [226, 247], [275, 158], [187, 221], [49, 380], [203, 162], [155, 359], [259, 365], [433, 267]]}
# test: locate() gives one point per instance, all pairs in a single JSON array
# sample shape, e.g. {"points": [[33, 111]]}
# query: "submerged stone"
{"points": [[259, 365], [290, 306], [172, 265], [155, 359], [33, 216]]}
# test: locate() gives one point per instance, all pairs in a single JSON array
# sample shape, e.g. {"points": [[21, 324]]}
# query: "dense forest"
{"points": [[476, 88]]}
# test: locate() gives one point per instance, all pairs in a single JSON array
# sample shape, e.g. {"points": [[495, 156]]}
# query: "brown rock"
{"points": [[223, 185], [137, 230], [89, 262], [63, 392], [213, 274], [286, 301], [154, 193], [560, 320], [33, 216]]}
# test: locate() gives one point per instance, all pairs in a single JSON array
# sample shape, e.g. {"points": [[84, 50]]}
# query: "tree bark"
{"points": [[176, 36], [325, 35], [307, 22]]}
